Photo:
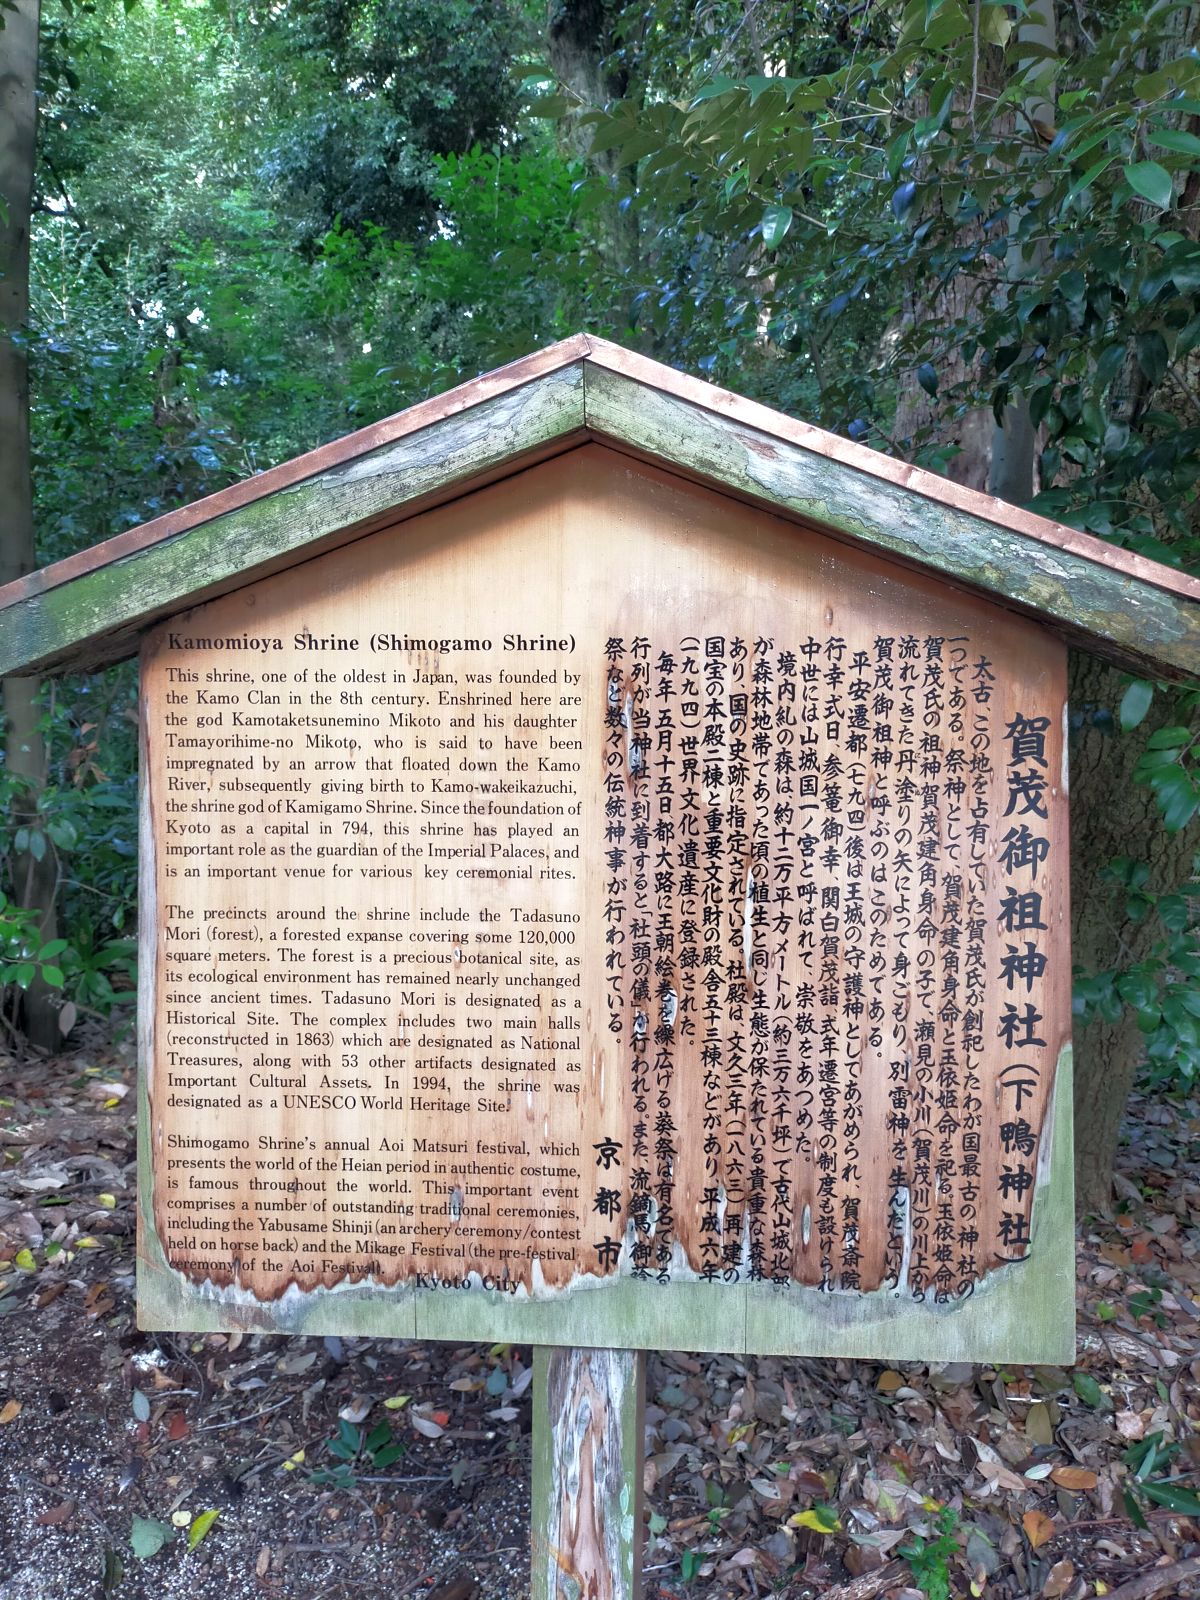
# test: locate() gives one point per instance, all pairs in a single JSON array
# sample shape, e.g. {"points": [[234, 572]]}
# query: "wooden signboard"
{"points": [[599, 912], [604, 885]]}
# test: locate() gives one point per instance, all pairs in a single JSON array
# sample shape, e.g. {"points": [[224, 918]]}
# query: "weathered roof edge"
{"points": [[91, 607], [602, 353]]}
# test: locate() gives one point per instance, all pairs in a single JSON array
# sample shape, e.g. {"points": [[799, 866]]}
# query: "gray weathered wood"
{"points": [[1135, 613], [587, 1473], [99, 616], [1138, 626]]}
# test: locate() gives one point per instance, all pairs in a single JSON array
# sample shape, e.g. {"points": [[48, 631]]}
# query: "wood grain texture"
{"points": [[90, 609], [593, 545], [99, 615], [1143, 626], [588, 1458]]}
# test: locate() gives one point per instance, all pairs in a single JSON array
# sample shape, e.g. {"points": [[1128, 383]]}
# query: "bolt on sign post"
{"points": [[604, 885]]}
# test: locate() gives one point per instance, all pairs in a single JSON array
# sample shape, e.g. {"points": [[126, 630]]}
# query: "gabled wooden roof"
{"points": [[91, 609]]}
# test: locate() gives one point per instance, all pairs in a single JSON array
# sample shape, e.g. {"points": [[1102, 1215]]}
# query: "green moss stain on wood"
{"points": [[1133, 623], [96, 618]]}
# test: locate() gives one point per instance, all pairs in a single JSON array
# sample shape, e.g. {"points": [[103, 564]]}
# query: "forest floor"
{"points": [[146, 1466]]}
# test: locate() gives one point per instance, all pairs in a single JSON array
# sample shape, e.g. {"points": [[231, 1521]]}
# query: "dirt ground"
{"points": [[147, 1467]]}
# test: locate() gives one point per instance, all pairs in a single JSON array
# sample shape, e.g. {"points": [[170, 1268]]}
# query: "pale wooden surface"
{"points": [[588, 1459], [89, 609], [593, 544]]}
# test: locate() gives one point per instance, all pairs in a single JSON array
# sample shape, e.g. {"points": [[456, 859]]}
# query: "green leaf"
{"points": [[377, 1438], [1173, 1497], [53, 976], [1133, 1510], [1090, 1392], [114, 1571], [776, 221], [1135, 703], [1177, 797], [199, 1529], [1168, 738], [1174, 912], [1175, 139], [147, 1536], [927, 378], [1151, 182], [1153, 356]]}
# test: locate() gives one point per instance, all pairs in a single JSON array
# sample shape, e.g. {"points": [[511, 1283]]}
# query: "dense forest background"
{"points": [[964, 232]]}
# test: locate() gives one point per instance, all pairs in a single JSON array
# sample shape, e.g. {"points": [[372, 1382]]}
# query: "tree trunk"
{"points": [[34, 882], [1110, 816], [582, 54]]}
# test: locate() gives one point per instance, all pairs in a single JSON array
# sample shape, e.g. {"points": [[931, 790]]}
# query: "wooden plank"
{"points": [[99, 616], [1148, 627], [606, 356], [603, 354], [587, 547], [356, 446], [1014, 1316], [588, 1451], [90, 609]]}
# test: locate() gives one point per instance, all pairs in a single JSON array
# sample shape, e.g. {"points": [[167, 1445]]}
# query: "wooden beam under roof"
{"points": [[91, 609]]}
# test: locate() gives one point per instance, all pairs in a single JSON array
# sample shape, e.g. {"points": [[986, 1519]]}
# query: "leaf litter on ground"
{"points": [[151, 1466]]}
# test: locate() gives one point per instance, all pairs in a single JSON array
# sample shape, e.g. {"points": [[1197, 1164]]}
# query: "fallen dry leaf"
{"points": [[11, 1409], [1038, 1528], [1060, 1578], [1074, 1478], [1039, 1426], [55, 1515]]}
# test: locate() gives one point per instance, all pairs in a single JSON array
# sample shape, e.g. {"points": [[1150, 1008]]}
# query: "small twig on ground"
{"points": [[314, 1549], [232, 1422], [871, 1584], [1158, 1581], [386, 1477]]}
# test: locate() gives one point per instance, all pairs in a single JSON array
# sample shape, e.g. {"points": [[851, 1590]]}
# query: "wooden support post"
{"points": [[588, 1448]]}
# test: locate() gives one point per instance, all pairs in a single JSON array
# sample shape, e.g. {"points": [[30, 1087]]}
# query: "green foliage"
{"points": [[1145, 1487], [1163, 989], [929, 1556], [367, 95], [357, 1450], [85, 822]]}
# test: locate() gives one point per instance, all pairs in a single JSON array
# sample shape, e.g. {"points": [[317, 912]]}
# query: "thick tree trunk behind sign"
{"points": [[1111, 816], [583, 56], [34, 880]]}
